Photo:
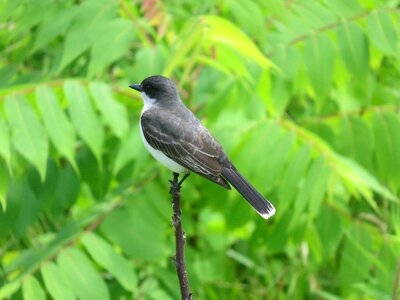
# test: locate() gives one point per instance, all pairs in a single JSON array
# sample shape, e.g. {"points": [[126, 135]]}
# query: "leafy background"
{"points": [[304, 96]]}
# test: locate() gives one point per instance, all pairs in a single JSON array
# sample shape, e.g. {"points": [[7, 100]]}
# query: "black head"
{"points": [[157, 87]]}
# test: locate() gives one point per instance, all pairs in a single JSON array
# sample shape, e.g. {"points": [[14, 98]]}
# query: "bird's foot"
{"points": [[175, 185], [174, 188]]}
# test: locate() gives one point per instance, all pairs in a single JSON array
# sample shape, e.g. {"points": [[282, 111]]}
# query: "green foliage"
{"points": [[302, 94]]}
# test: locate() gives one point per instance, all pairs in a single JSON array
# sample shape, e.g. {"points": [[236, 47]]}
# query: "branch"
{"points": [[180, 238], [356, 112], [329, 26]]}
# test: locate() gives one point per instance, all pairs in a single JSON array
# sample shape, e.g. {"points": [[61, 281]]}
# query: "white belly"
{"points": [[161, 157]]}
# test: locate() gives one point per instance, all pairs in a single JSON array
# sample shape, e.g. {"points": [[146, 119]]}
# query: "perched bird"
{"points": [[175, 137]]}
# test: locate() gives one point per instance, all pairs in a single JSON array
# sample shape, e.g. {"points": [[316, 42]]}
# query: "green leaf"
{"points": [[355, 264], [211, 268], [131, 228], [32, 290], [84, 118], [7, 75], [4, 141], [59, 128], [279, 233], [113, 41], [35, 12], [221, 31], [103, 253], [355, 140], [9, 9], [287, 60], [280, 95], [388, 257], [151, 288], [84, 31], [9, 289], [81, 275], [23, 205], [187, 43], [169, 281], [53, 27], [66, 190], [229, 62], [314, 242], [363, 141], [318, 58], [353, 48], [212, 225], [278, 147], [387, 145], [277, 157], [355, 177], [312, 16], [263, 89], [75, 44], [114, 113], [28, 134], [313, 188], [249, 16], [288, 186], [129, 150], [382, 32], [346, 8], [329, 227], [147, 62], [56, 283], [361, 178], [346, 140], [393, 126], [384, 150], [4, 179]]}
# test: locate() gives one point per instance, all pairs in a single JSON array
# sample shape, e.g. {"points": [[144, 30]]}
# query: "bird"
{"points": [[175, 137]]}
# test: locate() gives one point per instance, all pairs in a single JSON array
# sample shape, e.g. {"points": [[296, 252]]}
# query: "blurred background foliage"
{"points": [[304, 96]]}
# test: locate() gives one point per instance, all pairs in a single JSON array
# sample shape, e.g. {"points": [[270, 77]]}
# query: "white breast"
{"points": [[157, 154]]}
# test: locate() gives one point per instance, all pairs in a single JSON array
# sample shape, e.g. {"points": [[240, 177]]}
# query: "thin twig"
{"points": [[330, 26], [354, 112], [180, 238], [322, 29]]}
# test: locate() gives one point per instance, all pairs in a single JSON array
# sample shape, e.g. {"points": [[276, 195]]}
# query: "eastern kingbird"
{"points": [[175, 137]]}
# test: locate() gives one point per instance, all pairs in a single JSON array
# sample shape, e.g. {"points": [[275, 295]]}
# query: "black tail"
{"points": [[261, 205]]}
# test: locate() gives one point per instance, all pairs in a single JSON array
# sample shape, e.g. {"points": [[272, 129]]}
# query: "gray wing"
{"points": [[191, 146]]}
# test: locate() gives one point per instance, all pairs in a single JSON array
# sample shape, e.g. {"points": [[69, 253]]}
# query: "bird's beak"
{"points": [[137, 87]]}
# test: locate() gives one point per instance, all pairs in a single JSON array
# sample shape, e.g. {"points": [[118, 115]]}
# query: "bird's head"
{"points": [[158, 88]]}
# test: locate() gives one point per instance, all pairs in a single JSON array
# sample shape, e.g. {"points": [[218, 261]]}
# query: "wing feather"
{"points": [[191, 146]]}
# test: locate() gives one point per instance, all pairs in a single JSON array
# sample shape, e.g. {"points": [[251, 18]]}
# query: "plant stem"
{"points": [[180, 238]]}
